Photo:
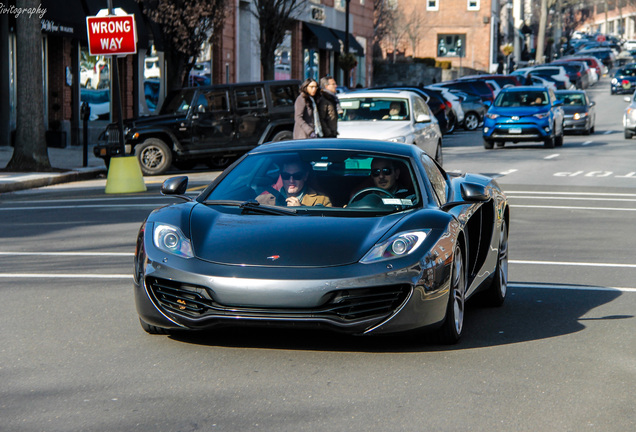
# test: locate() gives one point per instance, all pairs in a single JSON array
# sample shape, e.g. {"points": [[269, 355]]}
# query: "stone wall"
{"points": [[410, 73]]}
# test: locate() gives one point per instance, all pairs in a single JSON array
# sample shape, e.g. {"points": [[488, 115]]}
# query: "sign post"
{"points": [[116, 36]]}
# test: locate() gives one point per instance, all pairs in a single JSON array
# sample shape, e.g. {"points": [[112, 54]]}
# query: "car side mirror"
{"points": [[487, 103], [201, 109], [592, 103], [471, 194], [175, 186], [423, 118], [558, 102]]}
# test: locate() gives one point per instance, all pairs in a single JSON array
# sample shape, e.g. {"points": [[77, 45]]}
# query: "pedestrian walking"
{"points": [[306, 116], [329, 107]]}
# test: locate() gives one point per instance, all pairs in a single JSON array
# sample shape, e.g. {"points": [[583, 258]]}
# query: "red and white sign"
{"points": [[600, 38], [111, 35]]}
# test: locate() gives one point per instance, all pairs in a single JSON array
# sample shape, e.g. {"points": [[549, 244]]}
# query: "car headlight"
{"points": [[170, 239], [399, 139], [492, 116], [614, 81], [397, 246], [579, 116], [542, 115]]}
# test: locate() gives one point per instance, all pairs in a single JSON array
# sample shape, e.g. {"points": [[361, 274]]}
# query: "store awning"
{"points": [[354, 46], [326, 39]]}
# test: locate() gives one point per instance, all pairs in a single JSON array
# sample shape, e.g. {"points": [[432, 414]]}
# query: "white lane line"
{"points": [[117, 254], [105, 206], [561, 198], [510, 171], [571, 193], [522, 285], [552, 156], [584, 264], [587, 143], [608, 132], [64, 276], [572, 208]]}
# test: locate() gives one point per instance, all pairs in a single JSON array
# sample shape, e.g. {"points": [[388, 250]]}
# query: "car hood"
{"points": [[373, 129], [154, 120], [287, 241], [571, 109], [518, 111]]}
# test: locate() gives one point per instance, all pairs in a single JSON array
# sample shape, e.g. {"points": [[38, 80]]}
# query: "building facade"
{"points": [[313, 47]]}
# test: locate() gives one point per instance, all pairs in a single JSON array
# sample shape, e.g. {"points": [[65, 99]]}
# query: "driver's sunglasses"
{"points": [[386, 171], [296, 176]]}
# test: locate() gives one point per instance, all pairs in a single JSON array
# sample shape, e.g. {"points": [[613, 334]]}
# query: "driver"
{"points": [[295, 190], [385, 176]]}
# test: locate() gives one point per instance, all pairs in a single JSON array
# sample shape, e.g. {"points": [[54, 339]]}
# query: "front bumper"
{"points": [[516, 132], [177, 293], [578, 125]]}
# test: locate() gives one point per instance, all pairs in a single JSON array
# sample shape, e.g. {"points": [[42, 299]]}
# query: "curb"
{"points": [[49, 179]]}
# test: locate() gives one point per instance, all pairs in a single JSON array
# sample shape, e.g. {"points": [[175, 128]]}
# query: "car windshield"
{"points": [[626, 72], [575, 99], [374, 109], [522, 98], [313, 182], [178, 102]]}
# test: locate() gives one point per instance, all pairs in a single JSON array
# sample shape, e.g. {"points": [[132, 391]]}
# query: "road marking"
{"points": [[572, 208], [104, 206], [552, 156], [64, 276], [523, 285], [572, 193], [510, 171], [587, 143], [584, 264], [117, 254], [608, 132], [574, 198]]}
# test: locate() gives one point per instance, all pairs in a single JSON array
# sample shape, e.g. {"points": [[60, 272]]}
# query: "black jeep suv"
{"points": [[210, 124]]}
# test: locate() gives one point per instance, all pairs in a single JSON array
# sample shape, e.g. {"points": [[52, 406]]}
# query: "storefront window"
{"points": [[311, 63], [95, 84], [282, 61], [451, 45]]}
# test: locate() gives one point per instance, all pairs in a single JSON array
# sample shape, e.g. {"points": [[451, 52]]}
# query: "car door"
{"points": [[213, 124], [251, 114], [426, 134], [558, 112]]}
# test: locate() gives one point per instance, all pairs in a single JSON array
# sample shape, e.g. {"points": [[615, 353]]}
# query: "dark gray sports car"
{"points": [[362, 237]]}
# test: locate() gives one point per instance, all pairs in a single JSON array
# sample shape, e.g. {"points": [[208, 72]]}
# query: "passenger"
{"points": [[394, 112], [295, 189]]}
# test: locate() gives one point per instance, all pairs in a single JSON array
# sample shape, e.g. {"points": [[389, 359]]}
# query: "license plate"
{"points": [[514, 130]]}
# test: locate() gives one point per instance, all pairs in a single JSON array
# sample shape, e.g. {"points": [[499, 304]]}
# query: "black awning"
{"points": [[354, 46], [326, 39], [67, 18]]}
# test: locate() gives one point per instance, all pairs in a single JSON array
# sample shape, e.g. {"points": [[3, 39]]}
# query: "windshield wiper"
{"points": [[254, 206]]}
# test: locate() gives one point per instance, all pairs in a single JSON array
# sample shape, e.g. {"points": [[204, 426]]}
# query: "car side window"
{"points": [[215, 100], [420, 107], [282, 95], [248, 98], [437, 179]]}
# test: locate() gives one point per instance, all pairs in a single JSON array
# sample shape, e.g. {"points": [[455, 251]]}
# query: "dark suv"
{"points": [[211, 124]]}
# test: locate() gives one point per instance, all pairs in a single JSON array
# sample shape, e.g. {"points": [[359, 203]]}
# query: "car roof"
{"points": [[378, 93], [397, 149], [522, 88]]}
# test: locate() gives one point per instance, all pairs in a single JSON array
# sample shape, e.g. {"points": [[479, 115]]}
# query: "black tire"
{"points": [[592, 130], [283, 136], [488, 144], [439, 155], [220, 162], [471, 121], [628, 134], [549, 142], [154, 156], [500, 144], [558, 141], [496, 293], [452, 123], [451, 330], [154, 330]]}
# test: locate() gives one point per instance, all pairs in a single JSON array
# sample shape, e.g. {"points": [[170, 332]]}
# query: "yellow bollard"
{"points": [[124, 175]]}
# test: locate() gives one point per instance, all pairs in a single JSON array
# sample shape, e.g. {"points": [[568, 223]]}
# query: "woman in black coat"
{"points": [[306, 117]]}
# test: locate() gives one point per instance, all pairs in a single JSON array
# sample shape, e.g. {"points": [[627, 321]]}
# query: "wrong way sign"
{"points": [[111, 35]]}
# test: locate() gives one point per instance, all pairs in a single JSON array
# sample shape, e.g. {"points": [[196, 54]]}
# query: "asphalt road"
{"points": [[560, 355]]}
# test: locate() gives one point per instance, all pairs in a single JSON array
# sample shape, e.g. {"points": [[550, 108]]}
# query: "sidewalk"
{"points": [[69, 158]]}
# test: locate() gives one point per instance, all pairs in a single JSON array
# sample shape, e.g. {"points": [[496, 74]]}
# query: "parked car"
{"points": [[579, 112], [556, 73], [578, 73], [475, 86], [212, 124], [624, 80], [456, 113], [151, 68], [543, 81], [474, 109], [435, 102], [605, 55], [225, 259], [366, 114], [522, 114], [629, 117], [501, 80]]}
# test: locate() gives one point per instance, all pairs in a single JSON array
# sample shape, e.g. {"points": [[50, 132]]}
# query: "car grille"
{"points": [[113, 135], [341, 305]]}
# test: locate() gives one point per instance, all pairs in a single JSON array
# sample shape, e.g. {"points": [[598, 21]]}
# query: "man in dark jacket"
{"points": [[329, 107]]}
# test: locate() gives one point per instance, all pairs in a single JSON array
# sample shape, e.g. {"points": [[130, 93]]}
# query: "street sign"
{"points": [[600, 38], [111, 35]]}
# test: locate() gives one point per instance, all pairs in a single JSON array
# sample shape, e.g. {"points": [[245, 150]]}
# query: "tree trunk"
{"points": [[541, 37], [30, 152]]}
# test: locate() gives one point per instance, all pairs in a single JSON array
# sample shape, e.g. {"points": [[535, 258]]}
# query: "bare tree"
{"points": [[383, 11], [30, 152], [275, 17], [414, 21], [185, 25], [396, 29]]}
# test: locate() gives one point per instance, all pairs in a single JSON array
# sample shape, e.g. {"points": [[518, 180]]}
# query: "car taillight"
{"points": [[448, 104]]}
